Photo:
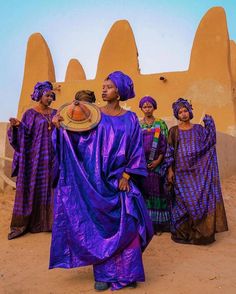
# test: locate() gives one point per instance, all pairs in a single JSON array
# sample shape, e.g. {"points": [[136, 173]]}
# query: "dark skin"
{"points": [[170, 175], [44, 103], [148, 110], [111, 96], [57, 119], [42, 107]]}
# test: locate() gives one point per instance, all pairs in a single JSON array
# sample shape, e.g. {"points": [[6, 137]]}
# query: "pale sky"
{"points": [[163, 30]]}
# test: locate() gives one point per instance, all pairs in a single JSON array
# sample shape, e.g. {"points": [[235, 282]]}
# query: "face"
{"points": [[109, 91], [147, 109], [47, 98], [183, 114]]}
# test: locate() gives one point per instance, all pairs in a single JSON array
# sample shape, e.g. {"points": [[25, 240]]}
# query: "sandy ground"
{"points": [[170, 268]]}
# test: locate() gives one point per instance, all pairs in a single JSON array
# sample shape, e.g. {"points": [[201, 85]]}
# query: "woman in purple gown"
{"points": [[198, 210], [100, 217], [32, 164], [155, 133]]}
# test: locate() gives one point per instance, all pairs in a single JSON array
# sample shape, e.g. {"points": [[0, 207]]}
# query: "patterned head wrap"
{"points": [[40, 89], [182, 103], [123, 83], [85, 95], [148, 99]]}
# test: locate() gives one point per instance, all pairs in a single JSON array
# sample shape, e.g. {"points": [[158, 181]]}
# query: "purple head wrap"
{"points": [[40, 89], [148, 99], [182, 103], [123, 83]]}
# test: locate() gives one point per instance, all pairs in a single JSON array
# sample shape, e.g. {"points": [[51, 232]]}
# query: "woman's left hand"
{"points": [[207, 117], [57, 119], [124, 184], [152, 165]]}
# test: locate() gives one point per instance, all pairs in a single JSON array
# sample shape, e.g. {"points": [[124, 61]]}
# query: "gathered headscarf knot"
{"points": [[40, 89], [181, 102], [123, 83]]}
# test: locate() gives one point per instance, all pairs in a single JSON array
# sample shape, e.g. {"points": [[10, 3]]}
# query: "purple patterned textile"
{"points": [[94, 222], [198, 210], [123, 83], [32, 164]]}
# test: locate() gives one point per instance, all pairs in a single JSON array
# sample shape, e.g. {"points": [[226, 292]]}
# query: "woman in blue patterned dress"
{"points": [[198, 210]]}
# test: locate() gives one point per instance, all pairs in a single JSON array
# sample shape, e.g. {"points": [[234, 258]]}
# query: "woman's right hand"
{"points": [[57, 119], [170, 176], [124, 184], [14, 122]]}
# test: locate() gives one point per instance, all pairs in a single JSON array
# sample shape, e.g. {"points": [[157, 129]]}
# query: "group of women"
{"points": [[116, 180]]}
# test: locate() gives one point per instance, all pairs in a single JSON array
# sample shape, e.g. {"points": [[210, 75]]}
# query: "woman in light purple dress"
{"points": [[32, 164], [198, 210]]}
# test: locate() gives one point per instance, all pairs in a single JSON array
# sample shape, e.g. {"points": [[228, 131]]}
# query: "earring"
{"points": [[118, 97]]}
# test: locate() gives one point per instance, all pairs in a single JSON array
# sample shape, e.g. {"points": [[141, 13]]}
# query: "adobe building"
{"points": [[209, 82]]}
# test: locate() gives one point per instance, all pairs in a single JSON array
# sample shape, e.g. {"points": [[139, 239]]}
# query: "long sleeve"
{"points": [[136, 163], [18, 138], [210, 131]]}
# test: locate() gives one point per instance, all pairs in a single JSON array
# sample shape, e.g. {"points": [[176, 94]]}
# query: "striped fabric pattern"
{"points": [[198, 208], [32, 164]]}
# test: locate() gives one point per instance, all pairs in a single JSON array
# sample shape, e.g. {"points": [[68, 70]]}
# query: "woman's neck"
{"points": [[113, 108], [42, 108], [113, 105], [185, 125], [149, 119]]}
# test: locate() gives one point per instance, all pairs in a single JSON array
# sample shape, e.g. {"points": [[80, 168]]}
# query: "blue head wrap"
{"points": [[148, 99], [181, 102], [40, 89], [123, 83]]}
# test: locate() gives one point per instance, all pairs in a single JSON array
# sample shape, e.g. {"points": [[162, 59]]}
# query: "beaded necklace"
{"points": [[48, 120]]}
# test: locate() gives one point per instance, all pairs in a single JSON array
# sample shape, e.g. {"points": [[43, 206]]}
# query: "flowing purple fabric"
{"points": [[32, 164], [94, 222], [198, 210]]}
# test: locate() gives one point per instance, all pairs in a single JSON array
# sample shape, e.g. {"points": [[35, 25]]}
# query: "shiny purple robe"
{"points": [[94, 222]]}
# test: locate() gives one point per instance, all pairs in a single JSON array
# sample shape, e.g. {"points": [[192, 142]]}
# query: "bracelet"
{"points": [[126, 176]]}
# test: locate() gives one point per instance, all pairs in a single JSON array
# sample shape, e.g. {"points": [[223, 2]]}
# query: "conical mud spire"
{"points": [[210, 78], [119, 51], [38, 67], [74, 71], [210, 51]]}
